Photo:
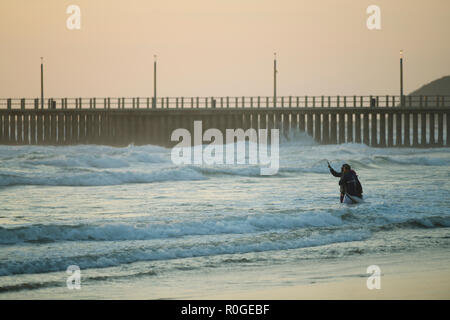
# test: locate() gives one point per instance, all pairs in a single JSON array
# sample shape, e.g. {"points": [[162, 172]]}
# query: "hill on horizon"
{"points": [[439, 87]]}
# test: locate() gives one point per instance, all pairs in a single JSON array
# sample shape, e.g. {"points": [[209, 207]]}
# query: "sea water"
{"points": [[138, 225]]}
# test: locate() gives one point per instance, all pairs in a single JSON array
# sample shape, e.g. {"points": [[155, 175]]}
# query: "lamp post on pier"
{"points": [[401, 79], [154, 82], [42, 82], [275, 79]]}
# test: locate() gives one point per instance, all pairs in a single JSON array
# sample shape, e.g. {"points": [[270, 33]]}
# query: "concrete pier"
{"points": [[329, 120]]}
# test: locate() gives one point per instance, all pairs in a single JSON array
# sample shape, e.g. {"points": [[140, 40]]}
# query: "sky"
{"points": [[220, 47]]}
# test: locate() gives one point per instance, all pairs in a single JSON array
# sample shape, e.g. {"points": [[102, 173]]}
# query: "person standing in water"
{"points": [[349, 182]]}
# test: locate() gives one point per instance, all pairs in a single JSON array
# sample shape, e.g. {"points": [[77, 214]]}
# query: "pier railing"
{"points": [[227, 102]]}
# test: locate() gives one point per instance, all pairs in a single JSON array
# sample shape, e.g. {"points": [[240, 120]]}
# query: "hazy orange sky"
{"points": [[220, 47]]}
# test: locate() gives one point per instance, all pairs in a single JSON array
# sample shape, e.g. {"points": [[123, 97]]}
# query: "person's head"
{"points": [[345, 168]]}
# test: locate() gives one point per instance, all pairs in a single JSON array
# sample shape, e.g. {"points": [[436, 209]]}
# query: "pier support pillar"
{"points": [[294, 121], [309, 124], [373, 136], [301, 122], [68, 128], [390, 131], [262, 120], [47, 131], [40, 132], [341, 127], [366, 128], [333, 128], [415, 141], [440, 140], [407, 134], [349, 127], [53, 120], [317, 127], [19, 126], [432, 129], [382, 129], [358, 128], [447, 116], [326, 128], [423, 129], [2, 141], [60, 119], [398, 129], [286, 124], [33, 128]]}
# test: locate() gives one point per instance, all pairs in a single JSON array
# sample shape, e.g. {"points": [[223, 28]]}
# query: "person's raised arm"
{"points": [[333, 172]]}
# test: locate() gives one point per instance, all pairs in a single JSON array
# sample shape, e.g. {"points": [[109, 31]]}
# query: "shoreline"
{"points": [[421, 275], [421, 286]]}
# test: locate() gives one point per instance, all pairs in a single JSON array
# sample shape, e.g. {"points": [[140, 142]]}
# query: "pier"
{"points": [[378, 121]]}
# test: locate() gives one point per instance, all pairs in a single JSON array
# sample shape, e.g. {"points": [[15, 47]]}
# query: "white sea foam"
{"points": [[102, 259], [112, 232], [99, 165], [243, 224], [99, 178]]}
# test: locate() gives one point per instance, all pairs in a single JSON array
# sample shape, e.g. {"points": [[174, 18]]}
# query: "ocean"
{"points": [[138, 226]]}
